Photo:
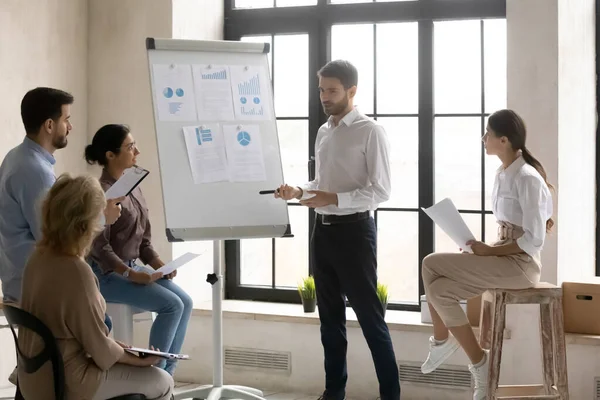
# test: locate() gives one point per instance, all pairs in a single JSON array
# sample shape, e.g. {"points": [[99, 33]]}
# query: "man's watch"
{"points": [[126, 273]]}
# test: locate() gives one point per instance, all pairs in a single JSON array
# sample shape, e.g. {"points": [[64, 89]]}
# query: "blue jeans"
{"points": [[172, 305]]}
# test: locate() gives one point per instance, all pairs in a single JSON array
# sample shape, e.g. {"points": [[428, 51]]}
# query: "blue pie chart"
{"points": [[243, 138], [168, 92]]}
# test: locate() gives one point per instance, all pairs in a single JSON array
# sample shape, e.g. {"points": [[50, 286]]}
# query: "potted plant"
{"points": [[308, 294], [382, 293]]}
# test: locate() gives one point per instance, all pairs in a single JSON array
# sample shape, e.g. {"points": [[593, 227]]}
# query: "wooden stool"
{"points": [[493, 312]]}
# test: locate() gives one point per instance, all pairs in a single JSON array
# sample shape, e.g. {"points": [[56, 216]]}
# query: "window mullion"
{"points": [[426, 142]]}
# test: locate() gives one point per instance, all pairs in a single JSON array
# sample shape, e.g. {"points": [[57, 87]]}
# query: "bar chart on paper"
{"points": [[203, 135], [221, 75], [252, 111], [214, 95], [249, 85]]}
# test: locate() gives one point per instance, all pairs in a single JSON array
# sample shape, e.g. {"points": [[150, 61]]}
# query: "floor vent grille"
{"points": [[258, 359], [454, 377]]}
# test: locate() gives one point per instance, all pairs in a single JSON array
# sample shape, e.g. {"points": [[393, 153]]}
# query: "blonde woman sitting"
{"points": [[60, 289]]}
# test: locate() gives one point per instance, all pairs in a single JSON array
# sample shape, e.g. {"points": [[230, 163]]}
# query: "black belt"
{"points": [[342, 219]]}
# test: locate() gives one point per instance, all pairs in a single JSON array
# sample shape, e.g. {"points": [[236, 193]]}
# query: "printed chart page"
{"points": [[213, 92], [174, 92], [250, 86], [206, 153], [244, 153]]}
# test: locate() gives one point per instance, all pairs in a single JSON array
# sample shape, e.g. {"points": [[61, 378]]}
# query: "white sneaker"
{"points": [[480, 376], [438, 353]]}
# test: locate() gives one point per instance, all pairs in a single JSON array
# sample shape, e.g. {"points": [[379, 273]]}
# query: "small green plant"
{"points": [[307, 288], [382, 293]]}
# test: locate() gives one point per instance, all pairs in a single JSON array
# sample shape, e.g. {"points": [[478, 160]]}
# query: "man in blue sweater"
{"points": [[26, 174]]}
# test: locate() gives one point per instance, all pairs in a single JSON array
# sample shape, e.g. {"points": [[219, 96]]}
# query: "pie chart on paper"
{"points": [[243, 138]]}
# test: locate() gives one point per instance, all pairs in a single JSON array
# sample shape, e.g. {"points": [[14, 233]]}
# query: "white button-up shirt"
{"points": [[521, 197], [352, 159]]}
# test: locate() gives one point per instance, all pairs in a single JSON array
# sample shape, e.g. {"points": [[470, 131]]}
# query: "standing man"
{"points": [[352, 179], [26, 174]]}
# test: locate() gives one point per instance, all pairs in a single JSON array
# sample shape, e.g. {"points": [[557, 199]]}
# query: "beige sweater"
{"points": [[63, 293]]}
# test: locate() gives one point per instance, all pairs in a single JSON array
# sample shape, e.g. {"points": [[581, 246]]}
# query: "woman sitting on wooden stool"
{"points": [[522, 205], [60, 289]]}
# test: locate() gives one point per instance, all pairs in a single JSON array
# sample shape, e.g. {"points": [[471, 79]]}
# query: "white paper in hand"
{"points": [[176, 263], [446, 216]]}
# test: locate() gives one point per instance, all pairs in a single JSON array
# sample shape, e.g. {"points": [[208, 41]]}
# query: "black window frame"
{"points": [[317, 21]]}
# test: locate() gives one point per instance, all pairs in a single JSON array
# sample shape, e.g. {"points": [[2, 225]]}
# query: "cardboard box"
{"points": [[581, 308], [474, 310]]}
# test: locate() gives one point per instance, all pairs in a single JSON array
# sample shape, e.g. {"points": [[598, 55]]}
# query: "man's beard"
{"points": [[337, 108], [60, 142]]}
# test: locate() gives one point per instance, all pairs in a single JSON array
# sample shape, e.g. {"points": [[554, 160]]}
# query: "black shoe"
{"points": [[326, 398]]}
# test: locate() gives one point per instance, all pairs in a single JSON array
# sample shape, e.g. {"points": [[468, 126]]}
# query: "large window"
{"points": [[431, 72]]}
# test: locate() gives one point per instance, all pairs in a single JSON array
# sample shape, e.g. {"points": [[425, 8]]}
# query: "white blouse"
{"points": [[521, 197]]}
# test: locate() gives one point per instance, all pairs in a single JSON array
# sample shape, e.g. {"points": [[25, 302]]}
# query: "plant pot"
{"points": [[384, 308], [309, 304]]}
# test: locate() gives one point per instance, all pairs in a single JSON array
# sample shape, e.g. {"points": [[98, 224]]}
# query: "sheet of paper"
{"points": [[250, 87], [206, 153], [174, 92], [176, 263], [212, 85], [244, 153], [446, 216], [130, 178]]}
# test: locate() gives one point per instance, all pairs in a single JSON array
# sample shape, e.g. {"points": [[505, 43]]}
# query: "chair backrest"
{"points": [[17, 317]]}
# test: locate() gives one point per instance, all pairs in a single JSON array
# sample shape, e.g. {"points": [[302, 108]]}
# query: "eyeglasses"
{"points": [[130, 146]]}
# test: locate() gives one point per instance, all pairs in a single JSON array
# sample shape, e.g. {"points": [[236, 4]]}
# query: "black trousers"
{"points": [[345, 263]]}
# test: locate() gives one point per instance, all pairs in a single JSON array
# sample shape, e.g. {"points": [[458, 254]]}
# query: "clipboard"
{"points": [[130, 179], [169, 356]]}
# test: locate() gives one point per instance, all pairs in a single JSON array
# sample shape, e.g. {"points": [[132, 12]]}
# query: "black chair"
{"points": [[17, 317]]}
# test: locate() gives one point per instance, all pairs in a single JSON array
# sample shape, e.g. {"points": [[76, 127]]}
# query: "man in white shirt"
{"points": [[352, 179]]}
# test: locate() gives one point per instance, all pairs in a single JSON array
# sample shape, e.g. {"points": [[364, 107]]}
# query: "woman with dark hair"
{"points": [[114, 252], [522, 205]]}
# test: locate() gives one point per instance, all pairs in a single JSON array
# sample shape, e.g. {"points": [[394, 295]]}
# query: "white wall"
{"points": [[577, 139], [532, 91], [551, 83], [119, 90], [43, 43], [198, 19]]}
